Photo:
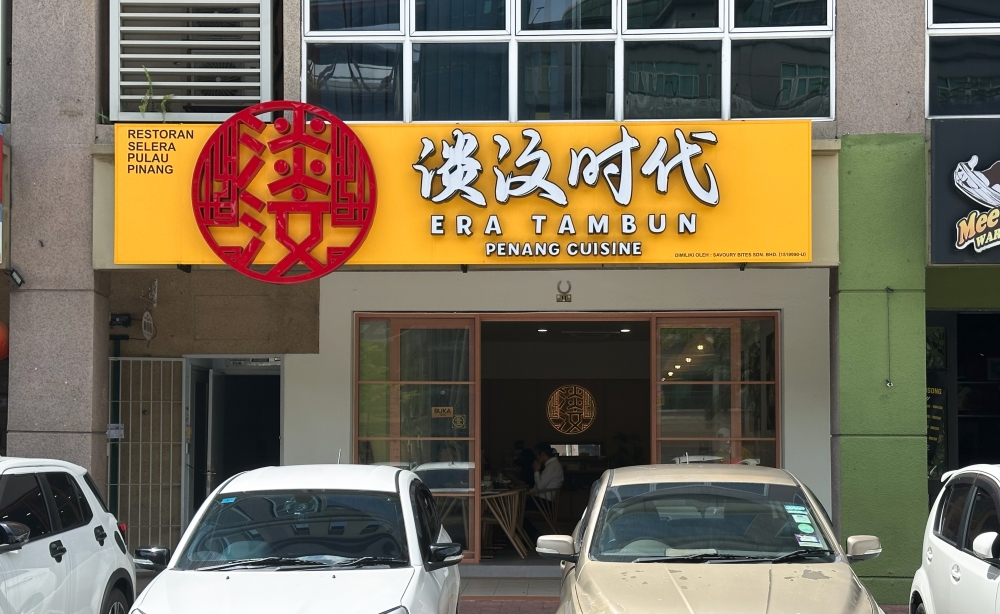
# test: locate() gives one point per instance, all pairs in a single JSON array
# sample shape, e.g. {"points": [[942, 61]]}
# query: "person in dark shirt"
{"points": [[525, 467]]}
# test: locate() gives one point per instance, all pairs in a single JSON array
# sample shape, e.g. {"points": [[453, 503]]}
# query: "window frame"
{"points": [[933, 30], [86, 511], [55, 527], [981, 484], [969, 480], [619, 33]]}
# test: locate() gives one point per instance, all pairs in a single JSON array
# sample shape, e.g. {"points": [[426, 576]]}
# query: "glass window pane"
{"points": [[758, 453], [21, 500], [373, 410], [695, 452], [673, 80], [455, 513], [781, 78], [444, 15], [434, 354], [952, 510], [359, 82], [67, 500], [757, 352], [695, 410], [453, 82], [662, 14], [964, 75], [695, 354], [966, 11], [349, 15], [565, 14], [983, 517], [758, 403], [767, 13], [373, 352], [566, 80], [434, 411]]}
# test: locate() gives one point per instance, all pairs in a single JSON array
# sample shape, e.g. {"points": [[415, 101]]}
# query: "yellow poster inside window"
{"points": [[505, 194]]}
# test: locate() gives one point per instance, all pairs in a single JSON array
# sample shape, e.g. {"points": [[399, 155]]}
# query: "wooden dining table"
{"points": [[507, 507]]}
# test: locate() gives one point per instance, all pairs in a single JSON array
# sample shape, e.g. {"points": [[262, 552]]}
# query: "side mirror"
{"points": [[152, 558], [559, 547], [985, 546], [13, 535], [863, 548], [444, 555]]}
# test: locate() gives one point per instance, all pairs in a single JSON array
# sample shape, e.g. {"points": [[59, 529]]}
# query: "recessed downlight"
{"points": [[626, 330], [543, 330]]}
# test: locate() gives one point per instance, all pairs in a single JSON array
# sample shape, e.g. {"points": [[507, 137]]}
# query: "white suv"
{"points": [[60, 548], [959, 570]]}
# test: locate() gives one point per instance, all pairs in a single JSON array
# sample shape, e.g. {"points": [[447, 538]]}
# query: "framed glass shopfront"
{"points": [[713, 394]]}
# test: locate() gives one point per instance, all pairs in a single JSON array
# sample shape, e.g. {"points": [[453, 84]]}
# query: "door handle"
{"points": [[956, 573], [930, 554], [57, 550], [100, 534]]}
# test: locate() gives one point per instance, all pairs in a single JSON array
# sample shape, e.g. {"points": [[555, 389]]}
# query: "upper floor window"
{"points": [[189, 60], [964, 58], [530, 60]]}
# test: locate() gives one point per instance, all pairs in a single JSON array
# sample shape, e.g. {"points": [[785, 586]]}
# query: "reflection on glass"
{"points": [[758, 403], [566, 14], [444, 15], [354, 14], [567, 80], [444, 466], [758, 453], [966, 11], [980, 399], [372, 452], [373, 363], [434, 411], [768, 13], [455, 513], [695, 410], [361, 82], [781, 78], [694, 354], [673, 80], [757, 352], [434, 355], [663, 14], [714, 452], [373, 410], [466, 81], [964, 75]]}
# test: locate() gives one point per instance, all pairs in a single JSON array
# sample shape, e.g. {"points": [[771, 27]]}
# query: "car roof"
{"points": [[14, 462], [377, 478], [993, 470], [648, 474], [464, 466]]}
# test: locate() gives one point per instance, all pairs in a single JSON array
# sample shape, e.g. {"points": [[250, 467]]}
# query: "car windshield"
{"points": [[298, 526], [705, 521]]}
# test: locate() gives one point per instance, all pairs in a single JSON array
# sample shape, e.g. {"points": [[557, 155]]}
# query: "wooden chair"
{"points": [[505, 507], [547, 508]]}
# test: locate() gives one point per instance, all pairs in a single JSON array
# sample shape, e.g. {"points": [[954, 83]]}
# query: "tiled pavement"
{"points": [[548, 606], [509, 587]]}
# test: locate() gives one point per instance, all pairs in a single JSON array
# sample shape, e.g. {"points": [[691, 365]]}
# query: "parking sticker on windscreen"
{"points": [[796, 509], [228, 500], [802, 518], [807, 528], [807, 541]]}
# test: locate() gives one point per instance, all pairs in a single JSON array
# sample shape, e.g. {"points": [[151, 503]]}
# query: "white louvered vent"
{"points": [[210, 57]]}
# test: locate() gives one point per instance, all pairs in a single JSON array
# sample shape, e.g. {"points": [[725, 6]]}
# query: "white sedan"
{"points": [[960, 567], [309, 538]]}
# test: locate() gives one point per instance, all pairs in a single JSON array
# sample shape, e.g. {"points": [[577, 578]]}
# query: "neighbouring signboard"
{"points": [[273, 198], [965, 191]]}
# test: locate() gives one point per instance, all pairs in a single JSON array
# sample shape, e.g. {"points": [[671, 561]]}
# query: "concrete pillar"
{"points": [[59, 318]]}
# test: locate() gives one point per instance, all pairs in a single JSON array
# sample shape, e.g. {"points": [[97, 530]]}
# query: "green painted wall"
{"points": [[879, 432]]}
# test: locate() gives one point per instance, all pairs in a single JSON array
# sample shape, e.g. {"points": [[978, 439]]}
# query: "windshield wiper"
{"points": [[370, 560], [267, 561], [696, 558], [805, 553]]}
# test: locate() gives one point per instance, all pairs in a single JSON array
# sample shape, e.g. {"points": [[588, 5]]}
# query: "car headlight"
{"points": [[397, 610]]}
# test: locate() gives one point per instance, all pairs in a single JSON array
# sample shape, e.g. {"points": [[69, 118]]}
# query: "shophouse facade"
{"points": [[440, 342]]}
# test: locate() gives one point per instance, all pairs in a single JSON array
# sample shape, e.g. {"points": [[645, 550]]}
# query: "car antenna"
{"points": [[338, 455]]}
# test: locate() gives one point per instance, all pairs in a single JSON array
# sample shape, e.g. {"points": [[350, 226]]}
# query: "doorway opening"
{"points": [[235, 421]]}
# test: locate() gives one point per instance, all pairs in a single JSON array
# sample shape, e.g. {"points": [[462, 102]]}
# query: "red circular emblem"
{"points": [[297, 192]]}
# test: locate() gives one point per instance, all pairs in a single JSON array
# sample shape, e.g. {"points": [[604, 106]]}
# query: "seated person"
{"points": [[548, 471]]}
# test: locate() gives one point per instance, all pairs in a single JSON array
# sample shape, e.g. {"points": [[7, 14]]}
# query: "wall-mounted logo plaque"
{"points": [[571, 409]]}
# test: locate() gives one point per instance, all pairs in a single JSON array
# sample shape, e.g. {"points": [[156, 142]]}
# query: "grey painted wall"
{"points": [[317, 401]]}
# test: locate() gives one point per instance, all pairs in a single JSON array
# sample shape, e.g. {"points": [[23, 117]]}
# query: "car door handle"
{"points": [[57, 550], [100, 534], [930, 554], [956, 573]]}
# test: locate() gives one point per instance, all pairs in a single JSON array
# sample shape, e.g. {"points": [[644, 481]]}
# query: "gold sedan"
{"points": [[694, 539]]}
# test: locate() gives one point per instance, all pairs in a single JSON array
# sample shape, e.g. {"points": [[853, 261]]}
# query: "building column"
{"points": [[59, 317], [879, 431]]}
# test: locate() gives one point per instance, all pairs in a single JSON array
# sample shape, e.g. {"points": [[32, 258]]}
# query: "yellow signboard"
{"points": [[506, 194]]}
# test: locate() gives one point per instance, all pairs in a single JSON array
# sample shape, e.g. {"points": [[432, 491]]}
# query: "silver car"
{"points": [[707, 538]]}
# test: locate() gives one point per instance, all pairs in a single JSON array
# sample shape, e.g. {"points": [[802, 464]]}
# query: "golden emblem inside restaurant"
{"points": [[571, 409]]}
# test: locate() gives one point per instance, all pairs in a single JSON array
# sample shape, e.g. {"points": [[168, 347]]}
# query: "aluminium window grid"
{"points": [[949, 29], [122, 50], [726, 32]]}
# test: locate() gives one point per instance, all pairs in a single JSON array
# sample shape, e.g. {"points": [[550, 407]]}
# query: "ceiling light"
{"points": [[701, 347], [687, 360], [670, 373], [663, 379], [626, 330], [677, 366], [543, 330]]}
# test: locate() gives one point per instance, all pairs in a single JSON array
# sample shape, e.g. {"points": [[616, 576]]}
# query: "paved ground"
{"points": [[548, 606]]}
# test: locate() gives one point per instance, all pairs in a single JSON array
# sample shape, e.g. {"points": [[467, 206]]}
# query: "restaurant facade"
{"points": [[435, 234]]}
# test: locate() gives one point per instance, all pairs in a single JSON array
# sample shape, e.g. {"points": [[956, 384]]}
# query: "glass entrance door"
{"points": [[416, 409], [716, 391]]}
